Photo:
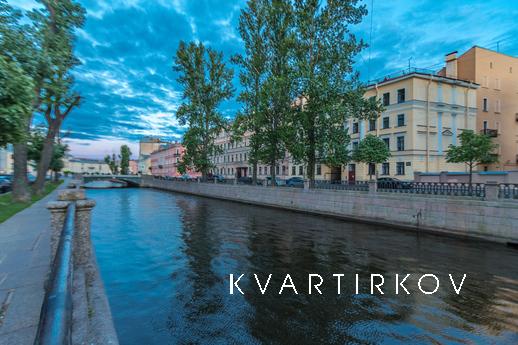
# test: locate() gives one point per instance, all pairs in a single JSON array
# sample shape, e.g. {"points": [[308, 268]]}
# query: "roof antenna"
{"points": [[370, 41]]}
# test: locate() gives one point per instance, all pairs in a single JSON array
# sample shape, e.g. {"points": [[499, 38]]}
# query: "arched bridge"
{"points": [[131, 180]]}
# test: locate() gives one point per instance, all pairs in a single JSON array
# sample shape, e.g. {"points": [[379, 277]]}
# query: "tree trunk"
{"points": [[470, 186], [44, 163], [254, 173], [21, 192], [311, 156]]}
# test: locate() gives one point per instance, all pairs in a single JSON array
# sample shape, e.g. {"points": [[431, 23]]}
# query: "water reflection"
{"points": [[165, 259]]}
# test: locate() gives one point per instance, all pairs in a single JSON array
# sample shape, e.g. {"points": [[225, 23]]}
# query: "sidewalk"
{"points": [[24, 263]]}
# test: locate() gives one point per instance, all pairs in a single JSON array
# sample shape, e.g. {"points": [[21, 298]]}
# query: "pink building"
{"points": [[133, 167], [164, 161]]}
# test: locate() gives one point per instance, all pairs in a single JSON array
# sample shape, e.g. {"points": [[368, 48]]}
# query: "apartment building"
{"points": [[164, 161], [147, 145], [6, 159], [497, 98], [424, 114], [86, 166]]}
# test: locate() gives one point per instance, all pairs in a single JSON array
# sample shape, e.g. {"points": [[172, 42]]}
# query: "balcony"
{"points": [[492, 133]]}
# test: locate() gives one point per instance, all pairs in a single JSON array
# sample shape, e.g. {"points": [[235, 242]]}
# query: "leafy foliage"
{"points": [[125, 158], [206, 82], [59, 150], [329, 90], [112, 163], [371, 150], [474, 149], [15, 102]]}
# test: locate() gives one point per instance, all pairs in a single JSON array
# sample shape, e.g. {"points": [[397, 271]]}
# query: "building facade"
{"points": [[164, 161], [497, 98], [6, 160], [424, 114], [86, 166], [148, 145]]}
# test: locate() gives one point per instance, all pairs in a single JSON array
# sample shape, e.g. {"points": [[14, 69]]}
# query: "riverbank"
{"points": [[8, 208], [495, 221]]}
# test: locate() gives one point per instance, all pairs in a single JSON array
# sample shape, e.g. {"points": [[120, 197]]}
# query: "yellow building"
{"points": [[424, 114], [497, 98]]}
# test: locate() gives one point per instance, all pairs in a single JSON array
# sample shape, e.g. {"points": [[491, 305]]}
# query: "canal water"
{"points": [[166, 258]]}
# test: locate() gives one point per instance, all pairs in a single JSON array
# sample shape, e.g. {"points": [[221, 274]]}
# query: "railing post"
{"points": [[58, 212], [491, 190], [373, 187], [83, 243]]}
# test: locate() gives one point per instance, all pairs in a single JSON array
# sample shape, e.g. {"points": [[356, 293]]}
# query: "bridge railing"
{"points": [[74, 286]]}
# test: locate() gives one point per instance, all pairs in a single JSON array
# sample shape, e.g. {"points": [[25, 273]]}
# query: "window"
{"points": [[401, 95], [293, 170], [491, 65], [498, 106], [372, 125], [386, 122], [355, 127], [401, 120], [400, 168], [485, 83], [266, 170], [485, 105], [387, 142], [372, 169], [355, 145], [401, 143], [277, 170], [510, 70], [485, 125], [319, 169], [497, 84], [385, 169], [386, 98], [301, 170]]}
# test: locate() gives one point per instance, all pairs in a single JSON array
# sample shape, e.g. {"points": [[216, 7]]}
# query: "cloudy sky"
{"points": [[127, 47]]}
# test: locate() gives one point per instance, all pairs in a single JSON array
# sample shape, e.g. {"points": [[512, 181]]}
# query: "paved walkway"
{"points": [[24, 263]]}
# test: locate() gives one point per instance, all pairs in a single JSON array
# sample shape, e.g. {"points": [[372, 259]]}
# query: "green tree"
{"points": [[371, 150], [18, 46], [55, 25], [474, 149], [112, 163], [273, 118], [35, 146], [206, 82], [15, 102], [328, 88], [125, 156], [253, 71]]}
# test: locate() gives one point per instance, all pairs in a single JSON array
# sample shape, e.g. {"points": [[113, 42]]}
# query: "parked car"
{"points": [[187, 177], [5, 183], [244, 180], [278, 181], [394, 183], [295, 182], [216, 177]]}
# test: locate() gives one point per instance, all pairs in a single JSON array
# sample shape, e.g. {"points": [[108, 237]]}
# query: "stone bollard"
{"points": [[71, 195], [306, 184], [492, 189], [215, 180], [82, 237], [58, 212], [373, 187]]}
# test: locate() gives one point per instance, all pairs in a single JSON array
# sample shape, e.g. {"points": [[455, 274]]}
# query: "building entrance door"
{"points": [[352, 173]]}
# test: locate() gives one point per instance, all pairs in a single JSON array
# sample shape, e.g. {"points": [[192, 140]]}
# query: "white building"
{"points": [[86, 166]]}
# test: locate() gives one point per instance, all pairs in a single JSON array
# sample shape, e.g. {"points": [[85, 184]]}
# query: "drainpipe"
{"points": [[428, 124]]}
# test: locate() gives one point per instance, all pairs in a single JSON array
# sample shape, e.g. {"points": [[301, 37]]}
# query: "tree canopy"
{"points": [[371, 150], [206, 82], [125, 156]]}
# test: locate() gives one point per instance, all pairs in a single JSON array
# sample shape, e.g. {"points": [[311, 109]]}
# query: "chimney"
{"points": [[451, 65]]}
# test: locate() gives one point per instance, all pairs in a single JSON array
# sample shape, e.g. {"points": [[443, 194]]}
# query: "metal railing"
{"points": [[341, 185], [56, 321], [508, 191], [435, 188]]}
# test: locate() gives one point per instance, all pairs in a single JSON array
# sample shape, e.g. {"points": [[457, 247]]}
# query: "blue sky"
{"points": [[127, 49]]}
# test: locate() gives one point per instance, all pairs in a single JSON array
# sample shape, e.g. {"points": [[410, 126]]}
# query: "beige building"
{"points": [[148, 145], [86, 166], [6, 160], [424, 114], [497, 98]]}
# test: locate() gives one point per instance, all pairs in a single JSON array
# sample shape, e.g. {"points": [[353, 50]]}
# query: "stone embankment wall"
{"points": [[490, 220]]}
